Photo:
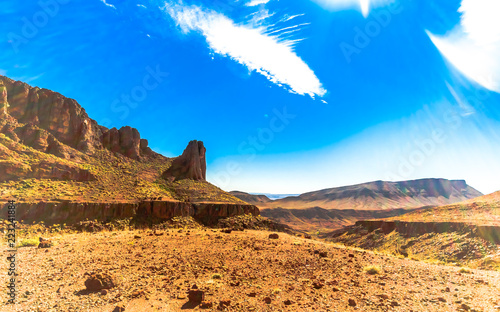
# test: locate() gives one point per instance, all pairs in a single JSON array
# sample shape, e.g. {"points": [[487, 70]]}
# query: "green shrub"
{"points": [[28, 242], [216, 276], [372, 269], [465, 270]]}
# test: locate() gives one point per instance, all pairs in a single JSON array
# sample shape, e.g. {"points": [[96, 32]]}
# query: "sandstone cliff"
{"points": [[70, 212], [50, 119]]}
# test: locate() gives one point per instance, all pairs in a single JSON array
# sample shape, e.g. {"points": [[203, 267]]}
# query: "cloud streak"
{"points": [[256, 2], [363, 6], [107, 4], [250, 45], [473, 46]]}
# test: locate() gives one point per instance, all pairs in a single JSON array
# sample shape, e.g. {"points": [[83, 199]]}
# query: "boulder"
{"points": [[97, 281]]}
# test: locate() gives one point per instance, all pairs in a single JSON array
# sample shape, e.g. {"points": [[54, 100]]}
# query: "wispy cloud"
{"points": [[363, 5], [474, 46], [256, 2], [257, 46], [107, 4]]}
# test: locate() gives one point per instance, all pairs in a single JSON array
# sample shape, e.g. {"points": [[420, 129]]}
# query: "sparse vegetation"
{"points": [[372, 269], [216, 276], [28, 242], [465, 270], [447, 248]]}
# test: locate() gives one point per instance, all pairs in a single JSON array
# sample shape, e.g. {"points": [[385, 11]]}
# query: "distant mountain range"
{"points": [[337, 207], [376, 195]]}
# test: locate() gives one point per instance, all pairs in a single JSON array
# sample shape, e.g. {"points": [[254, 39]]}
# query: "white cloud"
{"points": [[256, 2], [363, 5], [250, 45], [107, 4], [473, 47]]}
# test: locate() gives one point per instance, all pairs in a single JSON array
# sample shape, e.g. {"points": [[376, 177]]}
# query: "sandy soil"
{"points": [[237, 271]]}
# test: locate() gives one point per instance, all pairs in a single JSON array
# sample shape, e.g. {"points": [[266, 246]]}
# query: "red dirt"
{"points": [[237, 271]]}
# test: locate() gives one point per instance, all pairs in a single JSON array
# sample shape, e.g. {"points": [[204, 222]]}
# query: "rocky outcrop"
{"points": [[71, 213], [190, 165], [3, 100], [207, 213], [126, 141], [13, 170], [52, 119]]}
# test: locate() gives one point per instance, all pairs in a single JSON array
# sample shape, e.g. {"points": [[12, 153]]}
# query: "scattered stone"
{"points": [[318, 285], [267, 300], [137, 236], [465, 307], [287, 302], [224, 304], [44, 243], [137, 293], [99, 281], [104, 292], [307, 236], [323, 254], [227, 231], [119, 308], [351, 255], [252, 294], [352, 302], [395, 304], [206, 305], [441, 299], [234, 283], [274, 236], [383, 296]]}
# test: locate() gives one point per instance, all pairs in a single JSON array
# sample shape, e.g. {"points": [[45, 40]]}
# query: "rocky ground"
{"points": [[246, 270]]}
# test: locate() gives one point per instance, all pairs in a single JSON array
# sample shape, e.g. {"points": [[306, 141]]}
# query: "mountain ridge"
{"points": [[378, 195]]}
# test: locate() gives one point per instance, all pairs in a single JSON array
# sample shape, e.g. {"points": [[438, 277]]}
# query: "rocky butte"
{"points": [[61, 166]]}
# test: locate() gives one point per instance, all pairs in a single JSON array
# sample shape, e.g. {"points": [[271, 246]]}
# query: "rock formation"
{"points": [[190, 165], [3, 100], [51, 120], [126, 141]]}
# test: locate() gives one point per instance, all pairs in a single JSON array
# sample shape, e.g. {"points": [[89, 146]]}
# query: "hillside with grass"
{"points": [[483, 210], [52, 151], [465, 234]]}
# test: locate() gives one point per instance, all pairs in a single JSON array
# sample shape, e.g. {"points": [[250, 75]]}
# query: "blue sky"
{"points": [[288, 96]]}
